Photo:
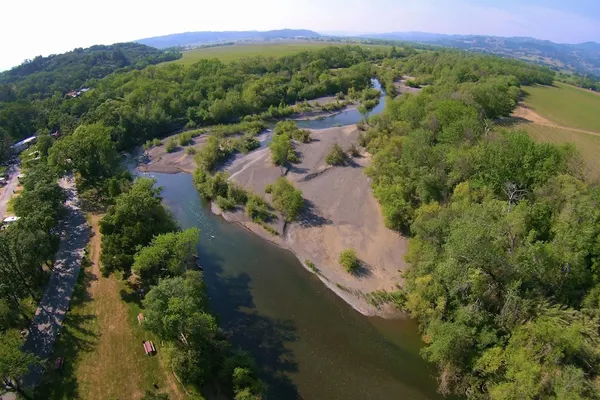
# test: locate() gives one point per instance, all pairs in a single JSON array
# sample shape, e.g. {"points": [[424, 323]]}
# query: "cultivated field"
{"points": [[239, 51], [565, 105]]}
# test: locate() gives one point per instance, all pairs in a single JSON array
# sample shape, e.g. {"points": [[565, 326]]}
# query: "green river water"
{"points": [[309, 343]]}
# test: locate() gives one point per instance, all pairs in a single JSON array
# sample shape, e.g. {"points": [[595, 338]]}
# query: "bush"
{"points": [[246, 143], [191, 150], [282, 151], [336, 156], [349, 261], [287, 199], [210, 154], [185, 139], [258, 209], [290, 129], [211, 186], [311, 265], [224, 203], [170, 146], [353, 150]]}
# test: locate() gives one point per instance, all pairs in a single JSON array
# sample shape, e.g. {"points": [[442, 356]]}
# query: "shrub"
{"points": [[311, 265], [290, 129], [246, 143], [349, 261], [185, 139], [340, 95], [257, 209], [211, 186], [191, 150], [287, 199], [170, 146], [237, 194], [156, 142], [210, 154], [336, 156], [224, 203], [282, 151], [353, 150], [269, 189]]}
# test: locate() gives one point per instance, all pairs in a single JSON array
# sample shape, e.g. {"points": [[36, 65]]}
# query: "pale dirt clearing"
{"points": [[341, 213]]}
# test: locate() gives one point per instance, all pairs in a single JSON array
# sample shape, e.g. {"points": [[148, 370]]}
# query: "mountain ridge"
{"points": [[197, 38]]}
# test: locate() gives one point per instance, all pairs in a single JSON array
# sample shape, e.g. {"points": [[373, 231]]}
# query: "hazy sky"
{"points": [[42, 27]]}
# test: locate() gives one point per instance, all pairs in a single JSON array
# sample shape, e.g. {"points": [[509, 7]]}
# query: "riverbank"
{"points": [[341, 213]]}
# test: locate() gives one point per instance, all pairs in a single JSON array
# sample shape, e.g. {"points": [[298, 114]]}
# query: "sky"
{"points": [[42, 27]]}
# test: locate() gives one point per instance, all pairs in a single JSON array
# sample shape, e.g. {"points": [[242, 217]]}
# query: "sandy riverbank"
{"points": [[342, 213]]}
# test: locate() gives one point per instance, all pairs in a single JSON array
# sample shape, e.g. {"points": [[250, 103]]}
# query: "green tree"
{"points": [[287, 199], [89, 151], [166, 255], [14, 362], [282, 150], [349, 261], [336, 156], [137, 216]]}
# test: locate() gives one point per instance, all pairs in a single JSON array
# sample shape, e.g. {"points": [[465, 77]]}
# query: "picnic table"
{"points": [[149, 348]]}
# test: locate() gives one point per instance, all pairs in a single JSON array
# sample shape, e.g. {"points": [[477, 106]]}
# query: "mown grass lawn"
{"points": [[101, 343], [565, 105], [239, 51]]}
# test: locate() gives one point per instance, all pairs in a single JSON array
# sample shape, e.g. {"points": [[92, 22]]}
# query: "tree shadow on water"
{"points": [[264, 337]]}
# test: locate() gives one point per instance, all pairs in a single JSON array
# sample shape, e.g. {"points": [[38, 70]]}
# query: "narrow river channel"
{"points": [[308, 342]]}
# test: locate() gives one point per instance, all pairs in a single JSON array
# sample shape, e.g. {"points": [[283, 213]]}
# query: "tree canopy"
{"points": [[165, 256], [137, 216]]}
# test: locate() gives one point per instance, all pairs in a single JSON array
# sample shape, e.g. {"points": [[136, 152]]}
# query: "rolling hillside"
{"points": [[583, 58], [188, 39]]}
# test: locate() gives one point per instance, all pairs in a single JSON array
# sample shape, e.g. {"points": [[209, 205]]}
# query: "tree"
{"points": [[177, 311], [43, 145], [89, 151], [349, 261], [14, 362], [287, 199], [137, 216], [282, 150], [336, 156], [165, 256]]}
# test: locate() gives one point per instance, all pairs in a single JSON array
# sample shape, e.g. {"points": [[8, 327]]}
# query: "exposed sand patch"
{"points": [[342, 213], [172, 163]]}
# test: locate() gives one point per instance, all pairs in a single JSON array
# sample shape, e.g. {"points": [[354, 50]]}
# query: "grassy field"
{"points": [[101, 343], [587, 144], [238, 51], [565, 105]]}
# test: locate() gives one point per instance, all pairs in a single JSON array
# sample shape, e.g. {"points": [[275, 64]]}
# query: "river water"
{"points": [[308, 342]]}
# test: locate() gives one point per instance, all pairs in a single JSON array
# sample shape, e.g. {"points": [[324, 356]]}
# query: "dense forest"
{"points": [[43, 76], [504, 233], [141, 105]]}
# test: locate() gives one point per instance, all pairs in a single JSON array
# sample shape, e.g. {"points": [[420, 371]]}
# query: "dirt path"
{"points": [[114, 359], [7, 191], [49, 316], [524, 112]]}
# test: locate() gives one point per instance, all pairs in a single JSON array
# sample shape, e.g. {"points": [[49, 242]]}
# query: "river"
{"points": [[308, 342]]}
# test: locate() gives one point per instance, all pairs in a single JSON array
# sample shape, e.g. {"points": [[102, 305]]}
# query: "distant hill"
{"points": [[583, 58], [199, 38], [64, 72]]}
